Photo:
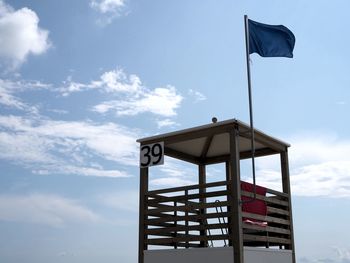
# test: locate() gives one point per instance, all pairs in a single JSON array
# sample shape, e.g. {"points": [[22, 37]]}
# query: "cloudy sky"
{"points": [[80, 81]]}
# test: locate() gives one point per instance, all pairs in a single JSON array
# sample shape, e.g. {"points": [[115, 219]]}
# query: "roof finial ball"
{"points": [[214, 120]]}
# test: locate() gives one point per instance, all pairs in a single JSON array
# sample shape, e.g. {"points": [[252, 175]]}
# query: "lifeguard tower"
{"points": [[218, 221]]}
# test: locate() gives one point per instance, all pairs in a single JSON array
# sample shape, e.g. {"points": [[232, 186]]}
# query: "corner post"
{"points": [[142, 209], [286, 189], [236, 209], [229, 199], [202, 181]]}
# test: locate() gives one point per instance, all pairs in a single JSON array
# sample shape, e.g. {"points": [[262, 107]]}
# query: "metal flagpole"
{"points": [[252, 141]]}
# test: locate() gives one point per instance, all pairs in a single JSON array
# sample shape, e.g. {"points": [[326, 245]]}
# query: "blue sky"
{"points": [[80, 81]]}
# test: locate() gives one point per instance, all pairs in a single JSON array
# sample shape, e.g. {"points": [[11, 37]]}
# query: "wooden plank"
{"points": [[273, 210], [171, 235], [273, 144], [163, 225], [286, 189], [191, 134], [179, 228], [158, 241], [236, 219], [258, 153], [266, 228], [161, 215], [193, 207], [243, 155], [142, 209], [163, 199], [188, 187], [178, 244], [274, 192], [229, 200], [271, 200], [266, 239], [266, 218], [192, 218]]}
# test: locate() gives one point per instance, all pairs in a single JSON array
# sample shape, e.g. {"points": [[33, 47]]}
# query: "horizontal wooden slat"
{"points": [[266, 239], [193, 218], [266, 199], [178, 198], [188, 208], [163, 224], [165, 214], [242, 156], [266, 218], [188, 187], [171, 235], [274, 192], [158, 241], [266, 228], [179, 244], [273, 210], [155, 231]]}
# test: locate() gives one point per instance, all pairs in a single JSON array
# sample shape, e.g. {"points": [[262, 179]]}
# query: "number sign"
{"points": [[152, 154]]}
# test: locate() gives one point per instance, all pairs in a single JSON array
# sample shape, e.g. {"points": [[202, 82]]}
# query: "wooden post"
{"points": [[286, 189], [236, 209], [202, 180], [175, 223], [186, 219], [229, 199], [142, 208]]}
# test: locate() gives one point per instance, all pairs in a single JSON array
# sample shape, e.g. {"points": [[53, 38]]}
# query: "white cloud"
{"points": [[341, 103], [160, 101], [339, 255], [133, 97], [20, 35], [170, 182], [319, 166], [48, 146], [107, 6], [9, 100], [8, 88], [110, 9], [174, 173], [114, 81], [166, 123], [198, 96], [342, 254], [44, 209]]}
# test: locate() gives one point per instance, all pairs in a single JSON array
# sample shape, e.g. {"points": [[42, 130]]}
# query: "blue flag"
{"points": [[270, 41]]}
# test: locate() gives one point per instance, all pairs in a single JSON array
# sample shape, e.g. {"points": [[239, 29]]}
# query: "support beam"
{"points": [[206, 146], [243, 155], [236, 220], [286, 189], [142, 214]]}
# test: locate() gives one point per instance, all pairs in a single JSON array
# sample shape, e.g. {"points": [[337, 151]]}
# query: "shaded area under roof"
{"points": [[211, 143]]}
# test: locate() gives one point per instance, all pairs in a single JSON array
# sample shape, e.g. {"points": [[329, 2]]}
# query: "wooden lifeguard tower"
{"points": [[182, 224]]}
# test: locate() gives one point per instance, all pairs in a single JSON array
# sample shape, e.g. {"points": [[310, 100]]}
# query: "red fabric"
{"points": [[255, 207]]}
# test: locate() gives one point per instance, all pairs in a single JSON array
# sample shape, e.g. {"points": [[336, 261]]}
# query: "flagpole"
{"points": [[252, 138]]}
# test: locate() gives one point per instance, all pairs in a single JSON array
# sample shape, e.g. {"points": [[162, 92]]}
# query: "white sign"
{"points": [[152, 154]]}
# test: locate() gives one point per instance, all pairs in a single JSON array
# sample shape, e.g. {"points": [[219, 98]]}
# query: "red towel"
{"points": [[255, 207]]}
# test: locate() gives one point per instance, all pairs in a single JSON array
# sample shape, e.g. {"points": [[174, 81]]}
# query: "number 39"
{"points": [[152, 154]]}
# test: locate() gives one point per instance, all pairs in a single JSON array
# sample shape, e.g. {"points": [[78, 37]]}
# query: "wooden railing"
{"points": [[188, 217]]}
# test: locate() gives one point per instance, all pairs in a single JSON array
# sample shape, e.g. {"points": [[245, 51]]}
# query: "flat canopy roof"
{"points": [[211, 143]]}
